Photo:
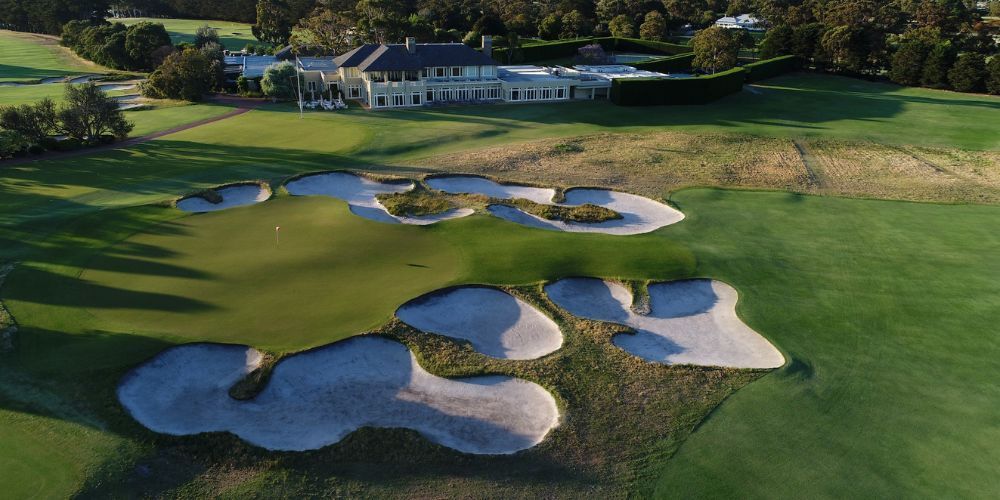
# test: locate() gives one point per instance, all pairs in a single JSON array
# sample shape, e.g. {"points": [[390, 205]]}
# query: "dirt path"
{"points": [[809, 162], [245, 105]]}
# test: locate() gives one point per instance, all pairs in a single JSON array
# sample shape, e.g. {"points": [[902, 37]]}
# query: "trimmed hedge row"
{"points": [[669, 64], [659, 91], [769, 68], [696, 90], [568, 48]]}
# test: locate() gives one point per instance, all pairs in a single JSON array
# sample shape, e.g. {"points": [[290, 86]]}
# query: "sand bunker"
{"points": [[232, 196], [494, 322], [316, 398], [360, 194], [691, 322], [639, 214]]}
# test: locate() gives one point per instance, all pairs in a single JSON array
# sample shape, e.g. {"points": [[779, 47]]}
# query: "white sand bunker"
{"points": [[318, 397], [360, 194], [494, 322], [639, 214], [232, 196], [691, 322]]}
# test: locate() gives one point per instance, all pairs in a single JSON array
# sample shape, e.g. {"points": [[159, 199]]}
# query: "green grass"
{"points": [[233, 36], [26, 57], [884, 309]]}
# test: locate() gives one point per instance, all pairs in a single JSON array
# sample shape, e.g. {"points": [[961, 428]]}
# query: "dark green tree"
{"points": [[969, 73], [777, 42], [142, 40], [205, 35], [908, 63], [88, 113], [940, 59], [993, 75]]}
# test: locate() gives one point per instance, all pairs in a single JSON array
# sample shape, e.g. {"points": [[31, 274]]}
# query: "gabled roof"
{"points": [[395, 57]]}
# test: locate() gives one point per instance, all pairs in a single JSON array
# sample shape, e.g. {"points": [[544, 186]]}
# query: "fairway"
{"points": [[884, 312], [27, 58], [233, 36]]}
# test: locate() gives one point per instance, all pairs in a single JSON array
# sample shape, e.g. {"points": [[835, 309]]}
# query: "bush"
{"points": [[680, 63], [969, 73], [770, 68], [70, 144], [276, 82], [12, 143], [993, 75], [89, 113], [205, 35], [36, 149], [34, 122], [673, 91]]}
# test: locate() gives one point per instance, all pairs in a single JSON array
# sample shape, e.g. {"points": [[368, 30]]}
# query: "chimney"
{"points": [[411, 45], [488, 45]]}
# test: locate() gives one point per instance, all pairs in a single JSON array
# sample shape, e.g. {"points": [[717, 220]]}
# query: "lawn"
{"points": [[885, 310], [27, 57], [233, 36]]}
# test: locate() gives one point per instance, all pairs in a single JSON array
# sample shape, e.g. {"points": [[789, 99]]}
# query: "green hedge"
{"points": [[769, 68], [568, 48], [659, 91], [680, 63]]}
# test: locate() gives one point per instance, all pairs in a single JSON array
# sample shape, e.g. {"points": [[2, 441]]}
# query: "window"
{"points": [[395, 76], [546, 93], [415, 98], [425, 72], [439, 72], [354, 91], [561, 93], [312, 86], [430, 95], [515, 94], [398, 100], [456, 71], [380, 101]]}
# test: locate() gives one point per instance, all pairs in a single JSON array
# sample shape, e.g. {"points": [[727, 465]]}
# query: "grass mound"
{"points": [[587, 213], [415, 203]]}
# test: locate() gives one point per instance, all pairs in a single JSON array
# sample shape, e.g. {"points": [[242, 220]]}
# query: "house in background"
{"points": [[743, 21]]}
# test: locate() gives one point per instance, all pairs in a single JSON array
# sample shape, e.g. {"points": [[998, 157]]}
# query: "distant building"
{"points": [[742, 21], [420, 74]]}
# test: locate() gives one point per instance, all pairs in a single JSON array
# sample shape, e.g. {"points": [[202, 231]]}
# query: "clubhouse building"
{"points": [[413, 74]]}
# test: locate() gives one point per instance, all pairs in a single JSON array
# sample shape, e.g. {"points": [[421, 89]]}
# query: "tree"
{"points": [[187, 74], [777, 42], [549, 27], [993, 75], [939, 60], [908, 63], [575, 25], [845, 48], [514, 52], [621, 27], [715, 49], [33, 122], [273, 24], [325, 29], [204, 35], [277, 81], [805, 40], [142, 40], [653, 26], [969, 73], [380, 21], [88, 114]]}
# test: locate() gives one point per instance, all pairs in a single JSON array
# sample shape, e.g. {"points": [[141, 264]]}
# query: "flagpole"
{"points": [[277, 243]]}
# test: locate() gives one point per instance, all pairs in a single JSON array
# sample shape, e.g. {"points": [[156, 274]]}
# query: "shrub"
{"points": [[680, 63], [276, 82], [12, 143], [969, 73], [673, 91], [70, 144], [205, 35], [89, 113], [415, 203], [993, 75], [34, 122], [36, 149]]}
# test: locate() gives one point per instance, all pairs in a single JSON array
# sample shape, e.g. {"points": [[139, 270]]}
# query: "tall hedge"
{"points": [[568, 48], [669, 64], [674, 91], [770, 68]]}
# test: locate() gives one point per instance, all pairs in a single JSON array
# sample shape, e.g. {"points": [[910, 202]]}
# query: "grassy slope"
{"points": [[232, 35], [792, 239], [26, 57]]}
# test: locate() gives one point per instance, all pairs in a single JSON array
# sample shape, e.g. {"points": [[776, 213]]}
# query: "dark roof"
{"points": [[395, 57], [355, 57], [288, 53]]}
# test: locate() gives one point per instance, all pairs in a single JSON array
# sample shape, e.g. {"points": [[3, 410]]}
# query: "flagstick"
{"points": [[277, 243]]}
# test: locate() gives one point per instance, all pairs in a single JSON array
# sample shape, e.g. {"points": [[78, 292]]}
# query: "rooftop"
{"points": [[395, 57]]}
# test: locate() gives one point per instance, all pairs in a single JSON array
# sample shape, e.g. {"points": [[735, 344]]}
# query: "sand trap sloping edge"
{"points": [[317, 397], [233, 195], [690, 322], [495, 322]]}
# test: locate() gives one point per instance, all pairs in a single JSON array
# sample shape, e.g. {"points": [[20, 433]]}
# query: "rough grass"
{"points": [[415, 203], [587, 213], [655, 163]]}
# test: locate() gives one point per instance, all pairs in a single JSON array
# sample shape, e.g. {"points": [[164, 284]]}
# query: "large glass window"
{"points": [[415, 98], [430, 95], [398, 100], [380, 101], [439, 72], [515, 94], [456, 71], [561, 93], [354, 91]]}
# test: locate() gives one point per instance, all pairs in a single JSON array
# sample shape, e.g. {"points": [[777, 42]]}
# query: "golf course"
{"points": [[842, 234]]}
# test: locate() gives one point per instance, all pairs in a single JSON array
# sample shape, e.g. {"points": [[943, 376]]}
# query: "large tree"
{"points": [[325, 29], [274, 23], [88, 113], [715, 49], [969, 73], [188, 75], [621, 27], [653, 26], [142, 40]]}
